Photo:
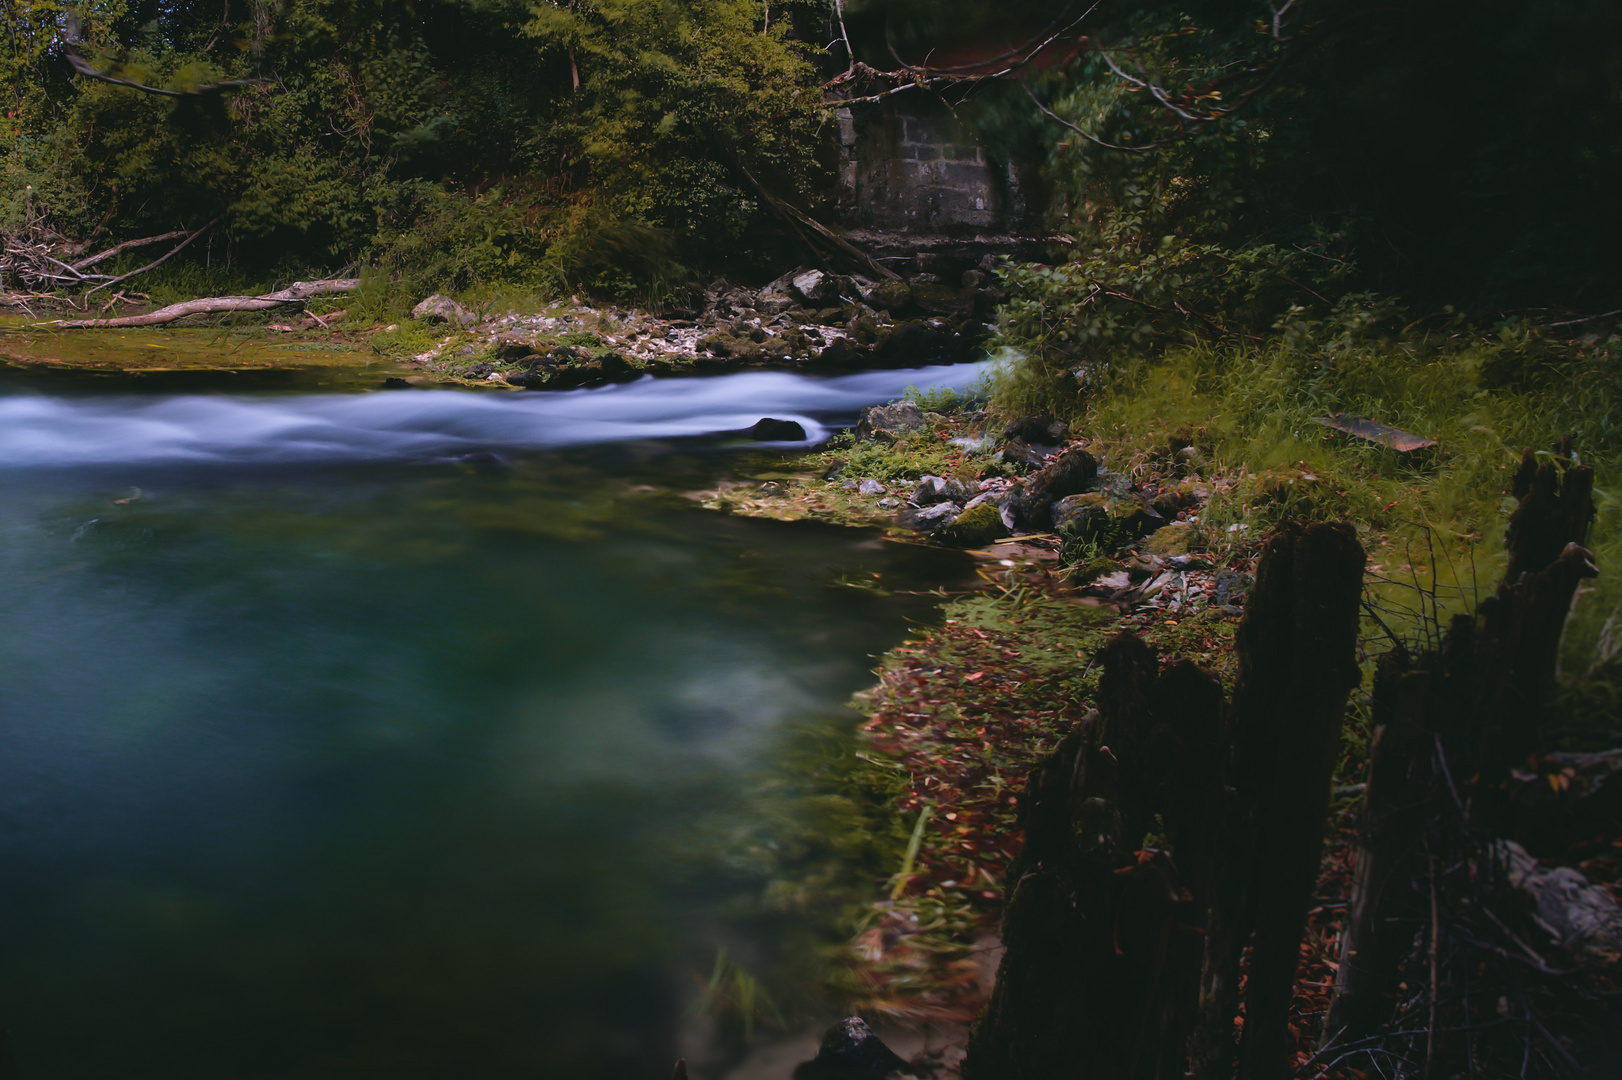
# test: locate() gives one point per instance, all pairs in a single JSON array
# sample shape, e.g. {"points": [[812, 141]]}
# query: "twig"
{"points": [[1587, 318]]}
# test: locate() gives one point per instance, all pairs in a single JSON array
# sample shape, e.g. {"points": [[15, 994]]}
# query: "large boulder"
{"points": [[842, 352], [887, 423], [892, 296], [942, 299], [1178, 538], [817, 288], [1027, 504], [442, 309]]}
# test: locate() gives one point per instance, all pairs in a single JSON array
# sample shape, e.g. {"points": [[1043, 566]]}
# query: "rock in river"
{"points": [[767, 429]]}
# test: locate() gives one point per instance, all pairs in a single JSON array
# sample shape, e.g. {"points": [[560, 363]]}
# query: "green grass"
{"points": [[1433, 523]]}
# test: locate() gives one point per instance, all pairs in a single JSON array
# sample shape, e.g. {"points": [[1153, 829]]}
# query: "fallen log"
{"points": [[296, 293]]}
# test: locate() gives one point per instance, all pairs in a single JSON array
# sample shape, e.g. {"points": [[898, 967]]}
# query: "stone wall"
{"points": [[907, 163]]}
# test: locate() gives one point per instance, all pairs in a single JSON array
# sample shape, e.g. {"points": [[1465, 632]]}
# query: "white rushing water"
{"points": [[46, 431]]}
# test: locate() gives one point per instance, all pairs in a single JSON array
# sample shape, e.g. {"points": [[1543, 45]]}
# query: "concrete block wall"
{"points": [[907, 163]]}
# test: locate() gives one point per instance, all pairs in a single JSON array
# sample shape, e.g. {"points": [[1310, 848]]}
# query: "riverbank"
{"points": [[806, 320], [964, 709]]}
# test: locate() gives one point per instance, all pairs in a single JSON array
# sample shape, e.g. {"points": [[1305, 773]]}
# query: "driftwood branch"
{"points": [[160, 260], [296, 293], [118, 249]]}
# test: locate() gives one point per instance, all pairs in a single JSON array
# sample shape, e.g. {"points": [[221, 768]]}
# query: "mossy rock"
{"points": [[1094, 516], [894, 296], [1073, 512], [1094, 570], [977, 526], [718, 343], [1175, 539]]}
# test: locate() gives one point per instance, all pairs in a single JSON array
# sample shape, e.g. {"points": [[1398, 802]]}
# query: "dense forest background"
{"points": [[1232, 165]]}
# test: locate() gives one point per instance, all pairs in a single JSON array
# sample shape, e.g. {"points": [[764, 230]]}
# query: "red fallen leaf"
{"points": [[976, 675]]}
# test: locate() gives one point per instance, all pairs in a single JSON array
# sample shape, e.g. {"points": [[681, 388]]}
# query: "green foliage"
{"points": [[1243, 174], [914, 454], [1435, 519], [453, 143]]}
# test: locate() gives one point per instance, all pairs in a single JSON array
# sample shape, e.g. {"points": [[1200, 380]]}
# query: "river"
{"points": [[328, 750]]}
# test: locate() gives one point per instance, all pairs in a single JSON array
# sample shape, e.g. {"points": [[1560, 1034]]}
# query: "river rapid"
{"points": [[407, 733]]}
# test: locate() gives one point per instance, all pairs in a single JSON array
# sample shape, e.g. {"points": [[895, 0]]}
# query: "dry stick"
{"points": [[159, 261], [296, 293], [85, 264], [850, 56]]}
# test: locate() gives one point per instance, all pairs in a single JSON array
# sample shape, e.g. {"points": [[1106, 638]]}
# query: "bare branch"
{"points": [[160, 260], [84, 264], [1089, 136]]}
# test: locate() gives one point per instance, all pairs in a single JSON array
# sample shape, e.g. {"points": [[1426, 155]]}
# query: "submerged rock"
{"points": [[870, 487], [850, 1051]]}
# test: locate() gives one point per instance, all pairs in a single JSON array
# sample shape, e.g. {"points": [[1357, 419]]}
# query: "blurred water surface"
{"points": [[339, 758]]}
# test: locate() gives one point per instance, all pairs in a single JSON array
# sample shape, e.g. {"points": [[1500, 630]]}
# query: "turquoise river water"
{"points": [[328, 752]]}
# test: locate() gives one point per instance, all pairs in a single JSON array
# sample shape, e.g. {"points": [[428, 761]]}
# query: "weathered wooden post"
{"points": [[1449, 727], [1114, 954]]}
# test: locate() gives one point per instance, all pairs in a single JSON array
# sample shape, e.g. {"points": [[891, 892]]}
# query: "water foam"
{"points": [[44, 431]]}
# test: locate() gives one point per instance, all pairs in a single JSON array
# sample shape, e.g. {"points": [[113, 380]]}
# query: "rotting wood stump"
{"points": [[1122, 962], [1450, 727]]}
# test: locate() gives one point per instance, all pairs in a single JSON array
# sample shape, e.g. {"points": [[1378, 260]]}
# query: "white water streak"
{"points": [[42, 431]]}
